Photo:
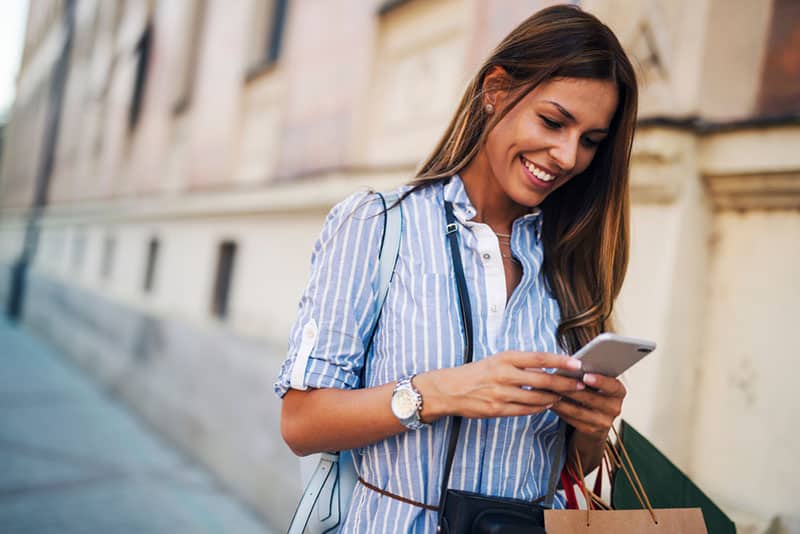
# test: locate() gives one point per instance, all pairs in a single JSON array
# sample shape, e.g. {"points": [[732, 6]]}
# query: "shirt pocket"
{"points": [[438, 322]]}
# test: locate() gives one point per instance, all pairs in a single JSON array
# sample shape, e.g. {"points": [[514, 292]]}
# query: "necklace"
{"points": [[506, 241], [511, 258]]}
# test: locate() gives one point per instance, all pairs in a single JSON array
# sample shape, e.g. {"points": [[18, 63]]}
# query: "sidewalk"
{"points": [[74, 461]]}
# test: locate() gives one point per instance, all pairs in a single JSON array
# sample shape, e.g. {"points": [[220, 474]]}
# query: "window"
{"points": [[190, 54], [388, 5], [107, 260], [276, 31], [222, 283], [142, 60], [150, 269], [267, 33]]}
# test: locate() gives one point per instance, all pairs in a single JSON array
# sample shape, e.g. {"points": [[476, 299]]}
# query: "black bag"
{"points": [[465, 512]]}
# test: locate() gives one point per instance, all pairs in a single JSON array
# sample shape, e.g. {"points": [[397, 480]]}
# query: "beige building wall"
{"points": [[230, 147]]}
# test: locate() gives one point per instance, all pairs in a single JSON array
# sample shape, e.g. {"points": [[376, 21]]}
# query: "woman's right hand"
{"points": [[506, 384]]}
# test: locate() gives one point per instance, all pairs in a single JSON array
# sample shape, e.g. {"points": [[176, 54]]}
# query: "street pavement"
{"points": [[75, 461]]}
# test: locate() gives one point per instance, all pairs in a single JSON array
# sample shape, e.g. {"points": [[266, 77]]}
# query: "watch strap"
{"points": [[414, 422]]}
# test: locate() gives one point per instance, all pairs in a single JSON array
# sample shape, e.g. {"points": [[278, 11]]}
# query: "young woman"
{"points": [[535, 163]]}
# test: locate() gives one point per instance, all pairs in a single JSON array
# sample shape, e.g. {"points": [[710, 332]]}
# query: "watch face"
{"points": [[404, 404]]}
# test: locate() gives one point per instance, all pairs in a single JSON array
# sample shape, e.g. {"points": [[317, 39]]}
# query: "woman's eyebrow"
{"points": [[570, 117], [563, 111]]}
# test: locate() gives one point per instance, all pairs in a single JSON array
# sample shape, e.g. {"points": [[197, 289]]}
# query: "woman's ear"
{"points": [[495, 86]]}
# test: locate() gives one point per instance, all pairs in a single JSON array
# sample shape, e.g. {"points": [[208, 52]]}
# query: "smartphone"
{"points": [[609, 355]]}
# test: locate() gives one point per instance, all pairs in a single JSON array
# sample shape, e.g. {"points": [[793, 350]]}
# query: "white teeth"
{"points": [[537, 172]]}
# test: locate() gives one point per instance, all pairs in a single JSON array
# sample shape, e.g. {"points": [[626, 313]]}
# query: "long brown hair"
{"points": [[585, 230]]}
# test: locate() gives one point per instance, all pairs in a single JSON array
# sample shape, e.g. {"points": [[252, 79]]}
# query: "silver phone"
{"points": [[609, 355]]}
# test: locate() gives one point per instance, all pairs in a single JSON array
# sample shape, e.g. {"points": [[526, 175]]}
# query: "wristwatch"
{"points": [[407, 403]]}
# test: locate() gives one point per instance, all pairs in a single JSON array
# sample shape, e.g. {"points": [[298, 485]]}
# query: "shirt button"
{"points": [[487, 256], [493, 308]]}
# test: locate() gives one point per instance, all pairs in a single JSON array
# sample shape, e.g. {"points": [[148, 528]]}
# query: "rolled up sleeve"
{"points": [[328, 339]]}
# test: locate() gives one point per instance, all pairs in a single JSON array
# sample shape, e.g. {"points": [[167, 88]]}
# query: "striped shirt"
{"points": [[420, 330]]}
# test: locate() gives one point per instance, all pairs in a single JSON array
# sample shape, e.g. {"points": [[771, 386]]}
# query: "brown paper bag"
{"points": [[670, 521], [605, 520]]}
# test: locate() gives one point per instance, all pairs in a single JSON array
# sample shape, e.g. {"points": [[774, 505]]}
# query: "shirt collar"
{"points": [[464, 211], [455, 193]]}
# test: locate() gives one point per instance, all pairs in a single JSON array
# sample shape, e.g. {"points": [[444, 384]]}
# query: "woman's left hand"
{"points": [[592, 411]]}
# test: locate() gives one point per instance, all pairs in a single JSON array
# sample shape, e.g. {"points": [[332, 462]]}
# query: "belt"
{"points": [[376, 489]]}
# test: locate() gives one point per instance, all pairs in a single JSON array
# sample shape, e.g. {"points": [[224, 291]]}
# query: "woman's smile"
{"points": [[537, 175]]}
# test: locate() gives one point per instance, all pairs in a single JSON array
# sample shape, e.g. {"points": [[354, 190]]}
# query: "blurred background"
{"points": [[166, 166]]}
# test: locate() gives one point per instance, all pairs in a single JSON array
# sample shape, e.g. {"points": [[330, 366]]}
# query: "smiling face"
{"points": [[549, 137]]}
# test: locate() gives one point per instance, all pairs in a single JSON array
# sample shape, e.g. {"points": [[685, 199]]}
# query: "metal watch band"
{"points": [[413, 422]]}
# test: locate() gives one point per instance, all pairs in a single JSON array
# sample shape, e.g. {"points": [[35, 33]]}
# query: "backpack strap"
{"points": [[387, 260], [331, 486], [390, 248]]}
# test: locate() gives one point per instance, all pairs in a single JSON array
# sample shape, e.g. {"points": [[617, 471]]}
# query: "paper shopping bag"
{"points": [[669, 521], [666, 485], [600, 518]]}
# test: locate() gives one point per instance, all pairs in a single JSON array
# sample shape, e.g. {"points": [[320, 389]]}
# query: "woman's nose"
{"points": [[565, 154]]}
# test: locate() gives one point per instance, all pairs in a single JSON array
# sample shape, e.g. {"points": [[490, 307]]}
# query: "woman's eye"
{"points": [[553, 125], [590, 143]]}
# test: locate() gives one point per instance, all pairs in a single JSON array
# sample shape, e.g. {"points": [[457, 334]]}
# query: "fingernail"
{"points": [[574, 364], [589, 379], [580, 386], [548, 406]]}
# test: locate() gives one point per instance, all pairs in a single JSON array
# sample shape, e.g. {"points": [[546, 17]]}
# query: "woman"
{"points": [[535, 163]]}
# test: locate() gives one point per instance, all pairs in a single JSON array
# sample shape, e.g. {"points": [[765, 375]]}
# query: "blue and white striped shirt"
{"points": [[420, 330]]}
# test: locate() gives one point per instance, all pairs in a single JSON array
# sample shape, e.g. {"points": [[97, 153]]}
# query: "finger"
{"points": [[606, 384], [543, 360], [517, 410], [503, 401], [528, 397], [565, 417], [588, 421], [541, 380], [581, 426], [597, 402]]}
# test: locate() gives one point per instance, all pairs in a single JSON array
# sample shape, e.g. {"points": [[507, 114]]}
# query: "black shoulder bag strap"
{"points": [[466, 323]]}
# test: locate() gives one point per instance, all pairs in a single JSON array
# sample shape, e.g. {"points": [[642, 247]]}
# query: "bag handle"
{"points": [[592, 497], [611, 457], [326, 468], [638, 488]]}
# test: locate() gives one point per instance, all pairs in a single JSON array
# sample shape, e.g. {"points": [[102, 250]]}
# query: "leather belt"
{"points": [[376, 489]]}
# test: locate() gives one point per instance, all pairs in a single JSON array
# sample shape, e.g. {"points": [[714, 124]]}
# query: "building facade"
{"points": [[195, 146]]}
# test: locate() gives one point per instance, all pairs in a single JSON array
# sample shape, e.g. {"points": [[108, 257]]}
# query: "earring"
{"points": [[489, 109]]}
